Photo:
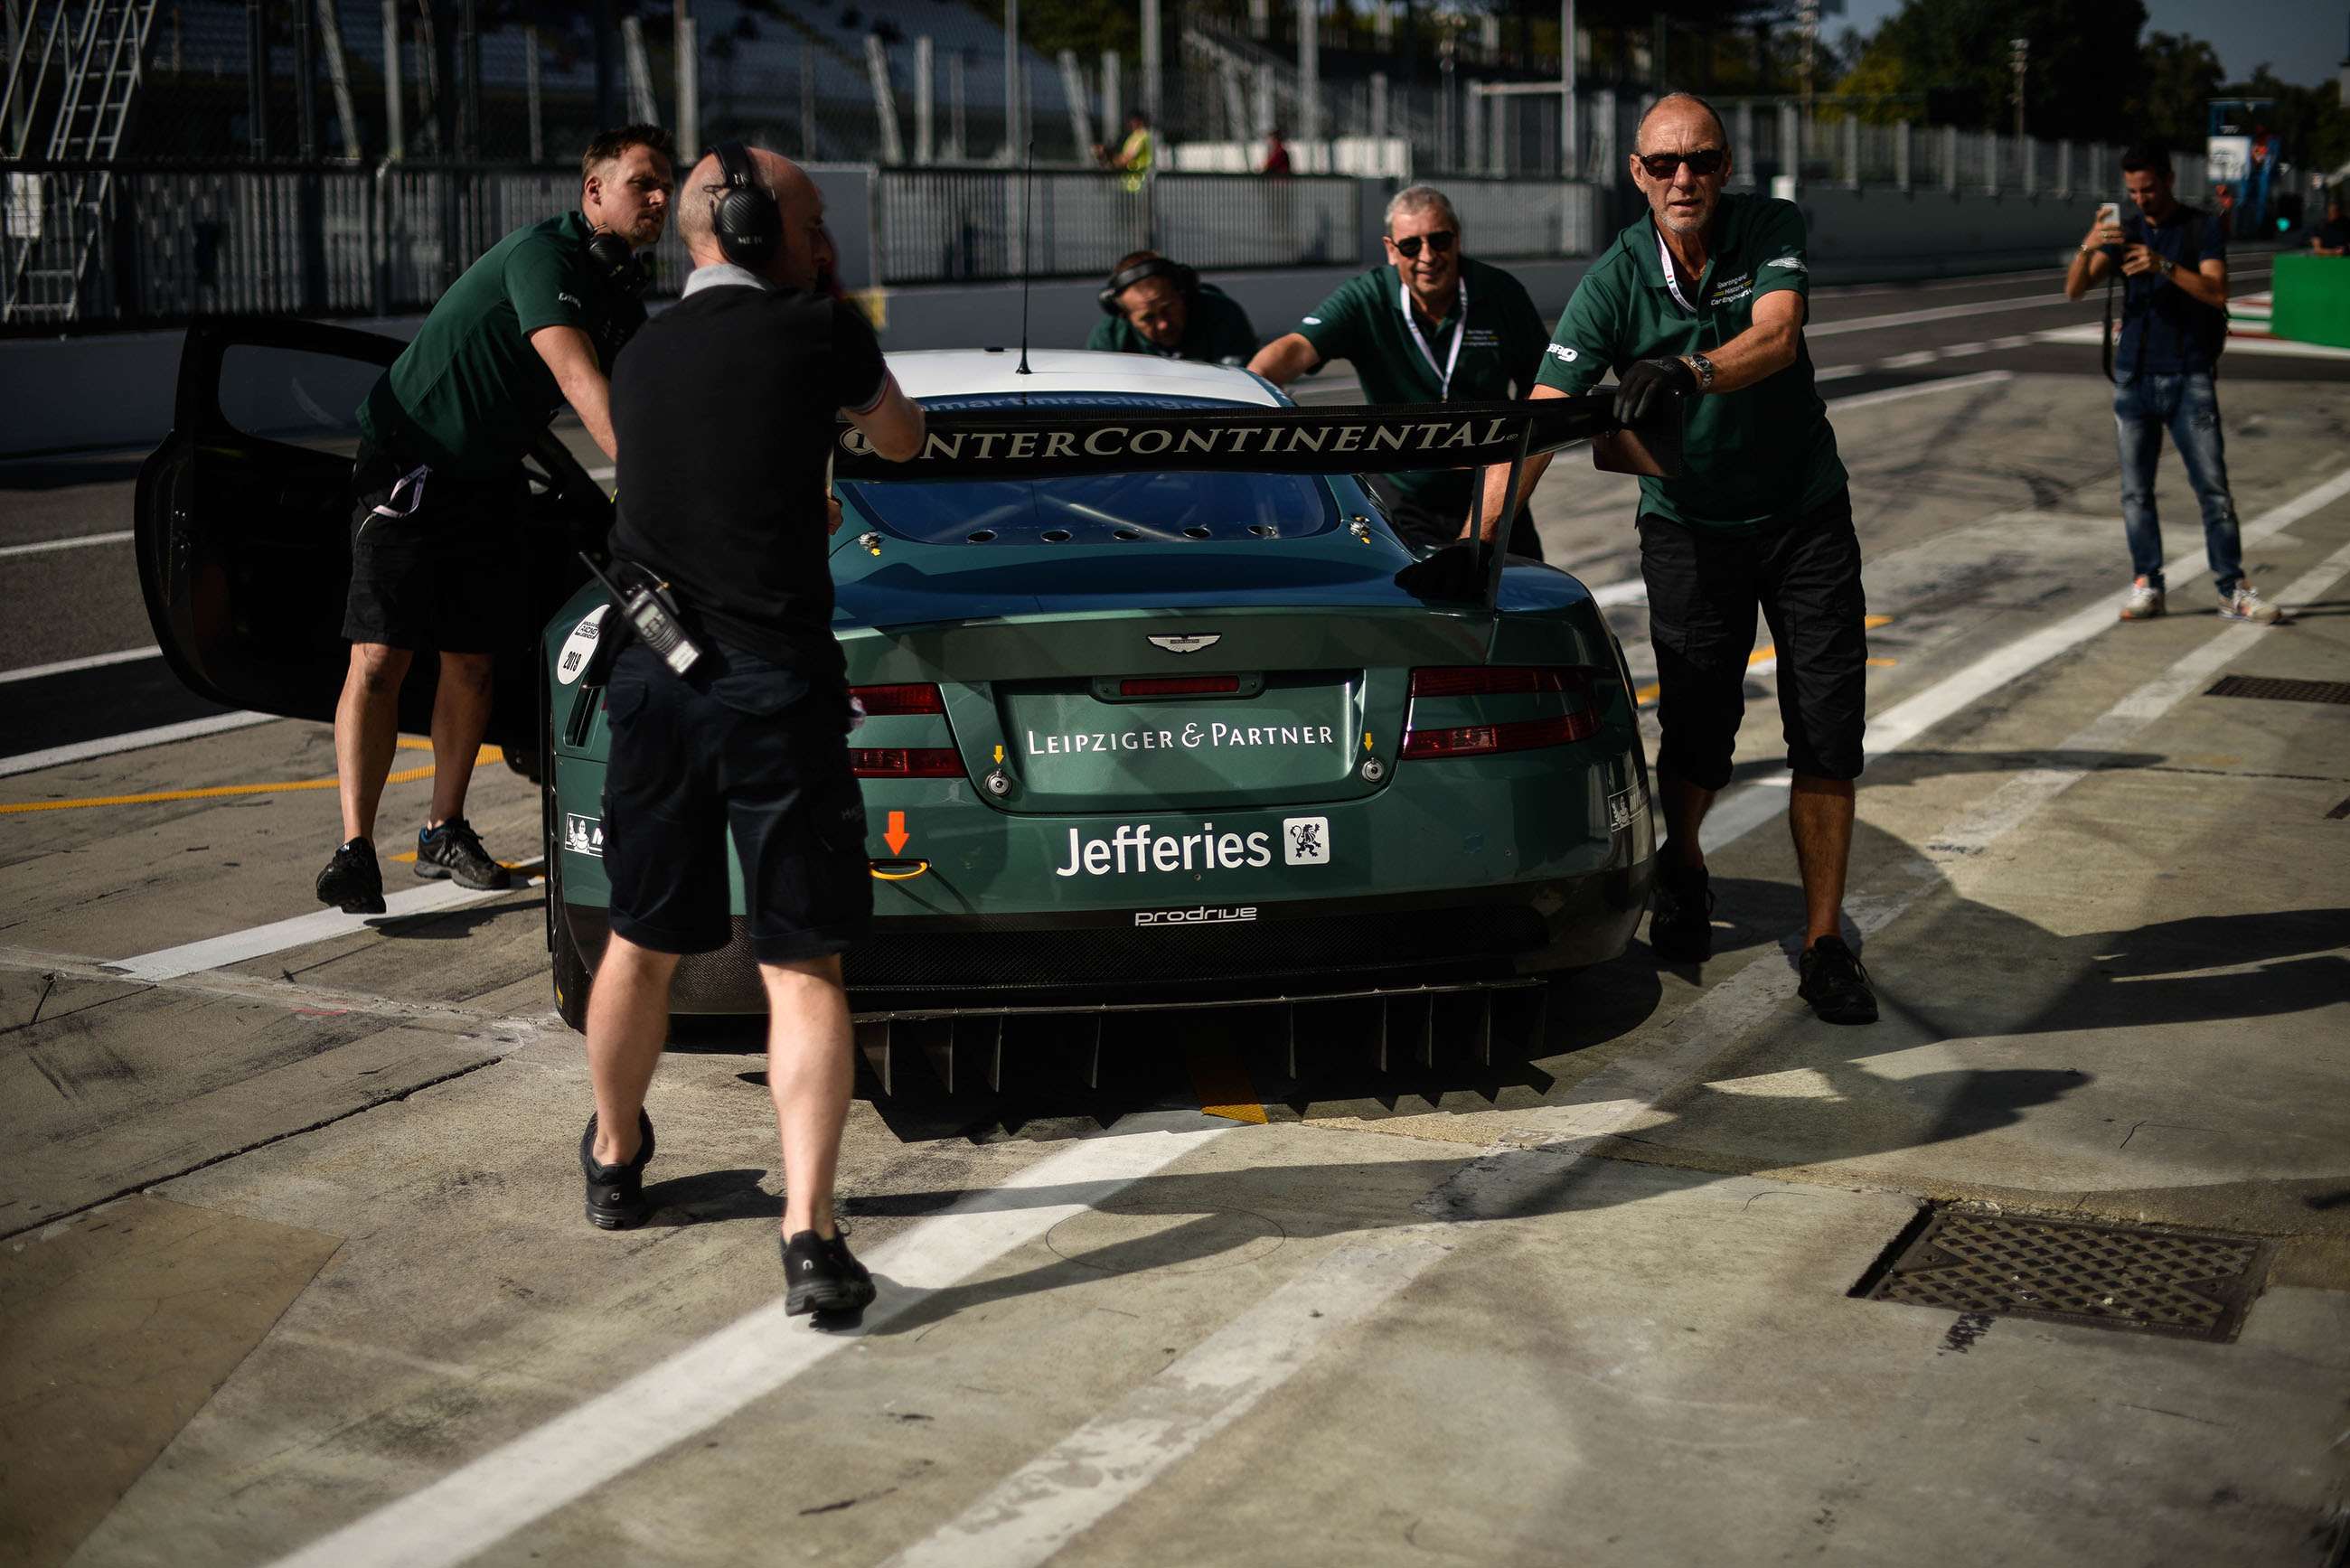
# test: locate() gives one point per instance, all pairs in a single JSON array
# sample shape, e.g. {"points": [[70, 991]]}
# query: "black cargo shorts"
{"points": [[436, 559], [739, 747], [1704, 587]]}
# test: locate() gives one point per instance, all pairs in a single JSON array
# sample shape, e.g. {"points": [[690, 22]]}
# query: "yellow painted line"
{"points": [[1223, 1084], [408, 857], [215, 792]]}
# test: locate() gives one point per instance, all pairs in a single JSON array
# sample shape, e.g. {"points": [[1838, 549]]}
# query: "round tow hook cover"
{"points": [[998, 785], [1374, 770]]}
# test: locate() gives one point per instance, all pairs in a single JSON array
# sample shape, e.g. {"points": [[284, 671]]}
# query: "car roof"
{"points": [[1064, 372]]}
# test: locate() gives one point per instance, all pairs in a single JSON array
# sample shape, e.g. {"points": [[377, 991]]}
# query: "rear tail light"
{"points": [[1580, 721], [905, 762], [880, 701]]}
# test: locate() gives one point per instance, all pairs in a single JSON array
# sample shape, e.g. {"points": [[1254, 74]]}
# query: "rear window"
{"points": [[1108, 508]]}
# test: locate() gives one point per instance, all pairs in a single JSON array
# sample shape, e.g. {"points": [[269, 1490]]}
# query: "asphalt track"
{"points": [[295, 1271]]}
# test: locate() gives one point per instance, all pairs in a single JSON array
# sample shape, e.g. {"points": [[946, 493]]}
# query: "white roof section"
{"points": [[1065, 372]]}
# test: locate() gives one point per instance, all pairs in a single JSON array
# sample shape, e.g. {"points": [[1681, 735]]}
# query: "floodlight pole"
{"points": [[1566, 129], [2020, 50]]}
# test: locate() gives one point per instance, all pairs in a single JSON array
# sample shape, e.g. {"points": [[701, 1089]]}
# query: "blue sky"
{"points": [[2302, 40]]}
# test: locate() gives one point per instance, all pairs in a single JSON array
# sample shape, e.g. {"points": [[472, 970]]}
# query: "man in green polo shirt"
{"points": [[1432, 327], [1154, 306], [437, 491], [1704, 298]]}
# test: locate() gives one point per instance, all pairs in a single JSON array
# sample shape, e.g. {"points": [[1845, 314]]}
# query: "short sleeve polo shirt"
{"points": [[1501, 343], [471, 394], [1216, 332], [1762, 453]]}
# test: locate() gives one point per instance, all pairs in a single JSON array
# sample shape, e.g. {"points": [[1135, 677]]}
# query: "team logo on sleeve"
{"points": [[1792, 264], [1565, 353], [1312, 321]]}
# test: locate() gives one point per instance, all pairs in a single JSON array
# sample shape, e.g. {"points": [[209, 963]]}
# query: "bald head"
{"points": [[1684, 110], [803, 260]]}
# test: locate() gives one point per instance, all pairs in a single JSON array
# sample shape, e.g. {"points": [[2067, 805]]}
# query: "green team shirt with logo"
{"points": [[1760, 453], [1363, 322], [1216, 332], [471, 394]]}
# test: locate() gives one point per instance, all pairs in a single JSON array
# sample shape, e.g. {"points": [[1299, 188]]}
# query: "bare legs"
{"points": [[1819, 815], [367, 730], [810, 1068]]}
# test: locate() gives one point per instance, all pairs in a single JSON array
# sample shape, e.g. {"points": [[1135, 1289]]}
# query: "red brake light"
{"points": [[881, 702], [1580, 721], [1519, 735], [905, 762], [1179, 686]]}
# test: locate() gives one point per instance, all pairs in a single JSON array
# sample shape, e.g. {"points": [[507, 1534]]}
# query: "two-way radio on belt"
{"points": [[654, 614]]}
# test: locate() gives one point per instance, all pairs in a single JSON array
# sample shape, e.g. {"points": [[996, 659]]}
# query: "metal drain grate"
{"points": [[2275, 691], [2172, 1283]]}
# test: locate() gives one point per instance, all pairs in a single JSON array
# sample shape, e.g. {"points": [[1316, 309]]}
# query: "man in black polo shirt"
{"points": [[437, 491], [1705, 297], [724, 408], [1432, 327]]}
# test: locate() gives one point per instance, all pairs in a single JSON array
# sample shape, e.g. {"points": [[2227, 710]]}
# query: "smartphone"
{"points": [[2110, 213]]}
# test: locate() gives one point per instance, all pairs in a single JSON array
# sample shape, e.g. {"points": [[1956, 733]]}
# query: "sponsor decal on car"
{"points": [[968, 451], [1191, 737], [579, 648], [1136, 848], [583, 835], [1623, 807], [1202, 915]]}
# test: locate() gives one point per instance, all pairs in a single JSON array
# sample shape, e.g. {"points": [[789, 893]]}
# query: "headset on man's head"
{"points": [[748, 219], [1186, 279]]}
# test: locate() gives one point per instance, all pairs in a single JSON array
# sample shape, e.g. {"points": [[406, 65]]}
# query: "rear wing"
{"points": [[1047, 444]]}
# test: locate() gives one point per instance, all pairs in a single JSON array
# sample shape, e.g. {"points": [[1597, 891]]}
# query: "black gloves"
{"points": [[1638, 391]]}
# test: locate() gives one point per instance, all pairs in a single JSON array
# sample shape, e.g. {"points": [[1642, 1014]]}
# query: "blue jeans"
{"points": [[2144, 403]]}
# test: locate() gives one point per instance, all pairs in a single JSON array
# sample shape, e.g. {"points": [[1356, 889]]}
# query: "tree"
{"points": [[1955, 53], [2176, 75]]}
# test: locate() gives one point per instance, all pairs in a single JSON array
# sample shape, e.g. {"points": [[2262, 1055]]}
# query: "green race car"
{"points": [[1148, 720]]}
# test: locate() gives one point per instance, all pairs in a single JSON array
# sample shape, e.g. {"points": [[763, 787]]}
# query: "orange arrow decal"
{"points": [[897, 835]]}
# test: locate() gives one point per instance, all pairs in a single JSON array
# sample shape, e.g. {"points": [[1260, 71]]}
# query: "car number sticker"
{"points": [[1305, 841], [583, 835], [581, 646]]}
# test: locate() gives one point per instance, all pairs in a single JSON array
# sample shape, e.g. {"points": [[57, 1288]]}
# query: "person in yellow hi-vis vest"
{"points": [[1134, 154]]}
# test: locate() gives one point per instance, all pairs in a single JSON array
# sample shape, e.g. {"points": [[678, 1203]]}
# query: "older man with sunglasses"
{"points": [[1705, 297], [1432, 327]]}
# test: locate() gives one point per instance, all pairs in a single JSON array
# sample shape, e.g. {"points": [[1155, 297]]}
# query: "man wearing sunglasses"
{"points": [[1704, 298], [1432, 327]]}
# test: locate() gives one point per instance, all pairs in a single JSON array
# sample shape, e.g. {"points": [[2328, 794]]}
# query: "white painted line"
{"points": [[1612, 594], [1909, 361], [1935, 313], [68, 666], [1744, 810], [485, 1501], [259, 942], [1944, 384], [1838, 372], [2236, 343], [605, 472], [1072, 1486], [78, 541], [161, 735]]}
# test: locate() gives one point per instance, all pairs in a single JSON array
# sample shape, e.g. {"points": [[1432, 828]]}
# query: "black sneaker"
{"points": [[351, 881], [1834, 984], [454, 849], [820, 1276], [616, 1193], [1680, 916]]}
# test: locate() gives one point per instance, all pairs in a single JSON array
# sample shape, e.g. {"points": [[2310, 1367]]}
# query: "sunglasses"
{"points": [[1439, 241], [1705, 162]]}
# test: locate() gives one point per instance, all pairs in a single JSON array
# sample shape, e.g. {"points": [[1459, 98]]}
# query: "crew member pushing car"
{"points": [[725, 410], [1704, 298], [1158, 306], [1432, 327], [437, 491]]}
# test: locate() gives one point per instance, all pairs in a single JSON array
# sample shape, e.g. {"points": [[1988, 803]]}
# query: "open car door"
{"points": [[244, 528]]}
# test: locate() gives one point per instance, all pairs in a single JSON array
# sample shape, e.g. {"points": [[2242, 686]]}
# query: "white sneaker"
{"points": [[2246, 603], [2145, 601]]}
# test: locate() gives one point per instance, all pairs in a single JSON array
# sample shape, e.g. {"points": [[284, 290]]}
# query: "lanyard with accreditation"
{"points": [[1443, 376]]}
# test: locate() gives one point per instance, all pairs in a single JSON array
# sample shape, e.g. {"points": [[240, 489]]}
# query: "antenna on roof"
{"points": [[1027, 195]]}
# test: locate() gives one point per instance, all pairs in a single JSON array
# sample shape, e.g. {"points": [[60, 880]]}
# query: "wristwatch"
{"points": [[2168, 266], [1702, 368]]}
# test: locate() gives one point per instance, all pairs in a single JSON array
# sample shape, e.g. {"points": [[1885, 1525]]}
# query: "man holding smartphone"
{"points": [[2173, 260]]}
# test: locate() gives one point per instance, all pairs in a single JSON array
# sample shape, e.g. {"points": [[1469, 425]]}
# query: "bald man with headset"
{"points": [[1155, 305], [725, 408]]}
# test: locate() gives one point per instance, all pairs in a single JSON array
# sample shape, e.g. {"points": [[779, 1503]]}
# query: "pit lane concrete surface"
{"points": [[294, 1269]]}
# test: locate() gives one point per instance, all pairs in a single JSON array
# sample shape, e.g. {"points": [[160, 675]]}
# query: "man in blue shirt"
{"points": [[2173, 264]]}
